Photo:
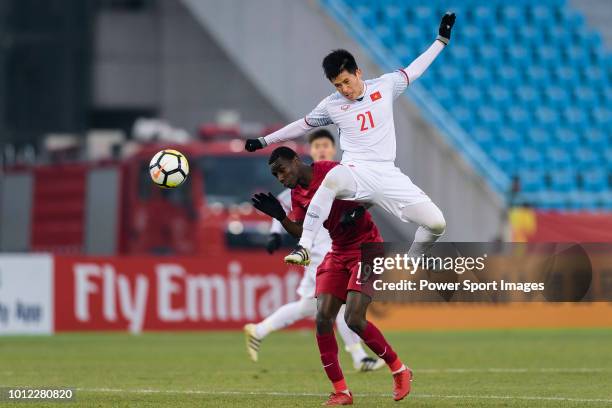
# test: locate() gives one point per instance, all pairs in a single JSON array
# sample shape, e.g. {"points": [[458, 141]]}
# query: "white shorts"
{"points": [[385, 185], [306, 288]]}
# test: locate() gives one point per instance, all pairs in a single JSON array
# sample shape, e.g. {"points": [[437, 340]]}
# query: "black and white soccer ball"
{"points": [[169, 168]]}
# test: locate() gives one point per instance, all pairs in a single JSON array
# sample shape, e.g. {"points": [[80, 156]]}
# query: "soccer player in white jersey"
{"points": [[363, 112], [322, 147]]}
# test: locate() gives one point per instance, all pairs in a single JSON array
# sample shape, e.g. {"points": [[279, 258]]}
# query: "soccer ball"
{"points": [[169, 168]]}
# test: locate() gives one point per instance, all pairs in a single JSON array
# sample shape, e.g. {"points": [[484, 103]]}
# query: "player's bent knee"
{"points": [[438, 227], [339, 179], [355, 322], [437, 224]]}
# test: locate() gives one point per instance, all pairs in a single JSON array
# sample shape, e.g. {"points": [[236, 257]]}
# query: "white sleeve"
{"points": [[398, 81], [423, 61], [285, 199], [291, 131], [319, 115]]}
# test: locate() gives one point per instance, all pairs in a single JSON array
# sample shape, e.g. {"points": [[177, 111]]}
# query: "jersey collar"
{"points": [[365, 88]]}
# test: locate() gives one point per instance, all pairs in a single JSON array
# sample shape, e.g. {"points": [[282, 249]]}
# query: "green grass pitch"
{"points": [[510, 368]]}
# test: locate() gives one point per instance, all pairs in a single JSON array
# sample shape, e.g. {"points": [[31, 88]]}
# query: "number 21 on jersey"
{"points": [[366, 121]]}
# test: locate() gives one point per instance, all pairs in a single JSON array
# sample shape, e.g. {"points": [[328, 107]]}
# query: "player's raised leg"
{"points": [[327, 310], [355, 315], [283, 317], [431, 226], [337, 184]]}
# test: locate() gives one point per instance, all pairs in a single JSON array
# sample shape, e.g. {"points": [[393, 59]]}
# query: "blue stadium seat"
{"points": [[462, 56], [479, 74], [463, 115], [512, 16], [531, 158], [499, 95], [546, 116], [519, 55], [518, 117], [539, 138], [537, 76], [563, 180], [575, 117], [531, 180], [509, 75], [557, 158], [586, 97], [602, 116], [504, 158], [558, 35], [596, 139], [547, 55], [451, 76], [483, 136], [594, 180], [510, 138], [566, 76], [566, 138], [556, 97], [528, 96], [502, 36], [489, 116], [586, 158], [471, 96], [488, 54]]}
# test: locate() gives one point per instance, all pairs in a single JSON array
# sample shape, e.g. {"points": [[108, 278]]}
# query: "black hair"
{"points": [[282, 152], [321, 134], [337, 61]]}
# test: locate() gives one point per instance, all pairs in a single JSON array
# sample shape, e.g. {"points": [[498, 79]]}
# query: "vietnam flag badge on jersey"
{"points": [[375, 96]]}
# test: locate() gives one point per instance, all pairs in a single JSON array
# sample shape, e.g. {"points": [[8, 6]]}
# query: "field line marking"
{"points": [[509, 370], [306, 394]]}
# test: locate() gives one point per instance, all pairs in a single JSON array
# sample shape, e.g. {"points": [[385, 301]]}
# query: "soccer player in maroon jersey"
{"points": [[349, 227]]}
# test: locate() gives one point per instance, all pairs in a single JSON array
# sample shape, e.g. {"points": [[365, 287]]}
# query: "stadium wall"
{"points": [[159, 59], [297, 34], [43, 294]]}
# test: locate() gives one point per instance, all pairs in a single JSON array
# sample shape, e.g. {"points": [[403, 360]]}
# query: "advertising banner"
{"points": [[158, 293], [26, 293]]}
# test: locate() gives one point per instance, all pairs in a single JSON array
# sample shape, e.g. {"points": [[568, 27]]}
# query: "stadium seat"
{"points": [[531, 180], [594, 180], [563, 180]]}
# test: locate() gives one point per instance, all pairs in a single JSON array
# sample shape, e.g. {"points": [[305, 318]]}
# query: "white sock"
{"points": [[286, 315], [423, 241], [317, 213], [431, 226], [352, 342]]}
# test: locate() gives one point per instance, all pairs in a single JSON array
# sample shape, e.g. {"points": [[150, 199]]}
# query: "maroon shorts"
{"points": [[338, 273]]}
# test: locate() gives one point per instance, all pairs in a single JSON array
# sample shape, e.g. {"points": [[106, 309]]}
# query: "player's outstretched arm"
{"points": [[268, 204], [291, 131], [423, 61]]}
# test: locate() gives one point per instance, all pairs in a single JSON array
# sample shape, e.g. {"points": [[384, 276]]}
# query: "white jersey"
{"points": [[366, 126]]}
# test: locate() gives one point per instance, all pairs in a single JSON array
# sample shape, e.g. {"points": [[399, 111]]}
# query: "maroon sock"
{"points": [[378, 344], [328, 347]]}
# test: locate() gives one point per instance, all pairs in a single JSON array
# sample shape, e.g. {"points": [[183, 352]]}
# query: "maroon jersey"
{"points": [[343, 237]]}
